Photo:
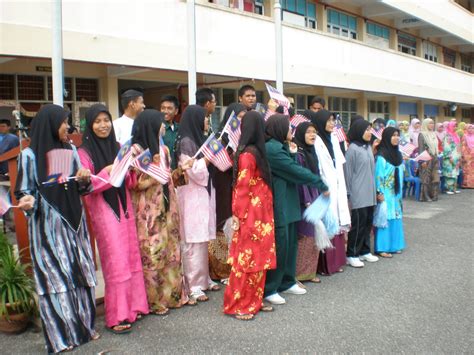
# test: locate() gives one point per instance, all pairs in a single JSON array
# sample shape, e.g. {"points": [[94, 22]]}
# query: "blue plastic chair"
{"points": [[411, 183]]}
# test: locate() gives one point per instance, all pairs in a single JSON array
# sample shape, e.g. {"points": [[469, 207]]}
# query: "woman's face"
{"points": [[431, 126], [206, 124], [62, 132], [310, 135], [395, 139], [417, 125], [330, 124], [102, 125], [470, 129], [367, 136], [440, 128]]}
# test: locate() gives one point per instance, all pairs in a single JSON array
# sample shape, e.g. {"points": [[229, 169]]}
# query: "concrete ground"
{"points": [[418, 302]]}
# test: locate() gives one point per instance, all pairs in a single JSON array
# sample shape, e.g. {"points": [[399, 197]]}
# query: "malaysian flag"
{"points": [[377, 133], [232, 128], [5, 203], [59, 165], [122, 162], [406, 148], [339, 131], [215, 152], [160, 172], [278, 97], [295, 121], [268, 114], [425, 156]]}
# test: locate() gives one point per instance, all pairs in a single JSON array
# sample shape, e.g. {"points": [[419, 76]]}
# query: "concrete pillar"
{"points": [[457, 63], [419, 48], [420, 106], [321, 17], [440, 54], [394, 107], [111, 96], [361, 29], [362, 105], [393, 42]]}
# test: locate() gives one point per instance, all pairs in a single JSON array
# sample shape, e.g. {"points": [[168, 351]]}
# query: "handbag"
{"points": [[179, 177]]}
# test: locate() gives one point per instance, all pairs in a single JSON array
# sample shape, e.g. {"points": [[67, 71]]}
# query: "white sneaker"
{"points": [[457, 191], [449, 192], [369, 257], [355, 262], [275, 299], [296, 290]]}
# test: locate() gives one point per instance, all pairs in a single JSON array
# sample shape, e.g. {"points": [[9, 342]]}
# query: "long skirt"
{"points": [[244, 293], [196, 266], [390, 239], [68, 318], [307, 259], [332, 260], [125, 300], [218, 255]]}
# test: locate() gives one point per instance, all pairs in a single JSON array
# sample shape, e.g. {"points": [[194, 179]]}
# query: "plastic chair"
{"points": [[411, 183]]}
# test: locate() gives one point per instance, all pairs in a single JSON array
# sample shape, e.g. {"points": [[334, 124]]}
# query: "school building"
{"points": [[379, 58]]}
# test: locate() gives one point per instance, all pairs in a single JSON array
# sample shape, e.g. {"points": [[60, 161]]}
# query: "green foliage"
{"points": [[4, 244]]}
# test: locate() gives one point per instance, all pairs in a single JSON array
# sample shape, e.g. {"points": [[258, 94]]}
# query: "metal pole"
{"points": [[278, 46], [192, 81], [57, 54]]}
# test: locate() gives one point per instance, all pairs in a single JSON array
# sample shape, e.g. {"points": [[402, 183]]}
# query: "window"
{"points": [[466, 113], [406, 44], [228, 96], [31, 87], [87, 90], [342, 24], [431, 51], [379, 109], [408, 108], [345, 107], [466, 63], [67, 87], [255, 6], [449, 57], [7, 87], [378, 30], [299, 12], [448, 112], [431, 110]]}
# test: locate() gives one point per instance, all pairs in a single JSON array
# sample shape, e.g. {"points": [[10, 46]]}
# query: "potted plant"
{"points": [[16, 291]]}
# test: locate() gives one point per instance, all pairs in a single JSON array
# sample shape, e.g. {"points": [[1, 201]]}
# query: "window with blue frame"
{"points": [[303, 8], [378, 30], [342, 24]]}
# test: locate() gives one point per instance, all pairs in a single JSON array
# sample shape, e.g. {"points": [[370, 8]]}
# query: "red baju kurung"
{"points": [[252, 251]]}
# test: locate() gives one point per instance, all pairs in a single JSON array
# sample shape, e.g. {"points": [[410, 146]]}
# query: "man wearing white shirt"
{"points": [[132, 104]]}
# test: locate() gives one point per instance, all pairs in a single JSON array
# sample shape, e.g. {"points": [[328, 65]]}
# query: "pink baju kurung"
{"points": [[125, 294], [197, 209]]}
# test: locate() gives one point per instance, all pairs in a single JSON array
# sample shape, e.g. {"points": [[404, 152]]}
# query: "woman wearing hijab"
{"points": [[222, 181], [404, 134], [414, 131], [451, 158], [392, 123], [428, 171], [308, 253], [157, 219], [389, 182], [468, 157], [331, 161], [440, 134], [56, 228], [286, 174], [252, 251], [113, 221], [359, 173], [197, 204]]}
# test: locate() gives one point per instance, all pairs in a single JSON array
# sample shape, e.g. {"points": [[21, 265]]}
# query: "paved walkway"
{"points": [[419, 301]]}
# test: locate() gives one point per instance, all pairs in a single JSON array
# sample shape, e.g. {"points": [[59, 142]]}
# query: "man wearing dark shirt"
{"points": [[8, 141], [169, 105]]}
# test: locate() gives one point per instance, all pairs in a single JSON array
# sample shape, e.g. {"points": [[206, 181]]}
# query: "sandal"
{"points": [[213, 286], [121, 328], [315, 280], [191, 302], [68, 349], [225, 281], [160, 312], [386, 255], [244, 317], [199, 296], [266, 308], [96, 336]]}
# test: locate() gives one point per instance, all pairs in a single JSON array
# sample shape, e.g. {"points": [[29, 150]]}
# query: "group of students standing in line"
{"points": [[154, 240]]}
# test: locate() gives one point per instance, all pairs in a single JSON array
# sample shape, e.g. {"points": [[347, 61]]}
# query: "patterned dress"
{"points": [[158, 235], [467, 165], [63, 266], [252, 251], [451, 162]]}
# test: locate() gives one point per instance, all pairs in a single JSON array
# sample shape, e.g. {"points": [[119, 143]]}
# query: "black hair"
{"points": [[245, 88], [203, 95], [6, 121], [170, 98], [318, 100], [129, 96]]}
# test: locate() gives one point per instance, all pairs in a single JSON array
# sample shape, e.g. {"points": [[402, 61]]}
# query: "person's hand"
{"points": [[272, 105], [83, 175], [293, 147], [326, 193], [188, 164], [424, 165], [380, 198], [136, 150], [376, 143], [235, 223], [156, 159], [108, 168], [26, 203]]}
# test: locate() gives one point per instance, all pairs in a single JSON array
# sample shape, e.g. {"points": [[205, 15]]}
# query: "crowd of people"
{"points": [[163, 246]]}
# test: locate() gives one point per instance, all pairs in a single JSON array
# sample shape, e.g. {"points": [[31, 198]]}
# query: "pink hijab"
{"points": [[451, 131], [414, 132], [469, 137], [440, 135]]}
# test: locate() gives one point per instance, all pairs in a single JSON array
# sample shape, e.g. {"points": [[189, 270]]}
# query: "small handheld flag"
{"points": [[406, 148], [121, 163], [377, 133], [232, 128], [213, 150], [295, 121], [425, 156], [278, 97], [339, 131], [5, 203], [59, 165]]}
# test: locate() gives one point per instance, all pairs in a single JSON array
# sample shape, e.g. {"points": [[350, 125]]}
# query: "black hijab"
{"points": [[191, 126], [146, 129], [103, 152], [252, 140], [320, 120], [357, 130], [391, 153], [277, 127], [64, 198], [307, 150]]}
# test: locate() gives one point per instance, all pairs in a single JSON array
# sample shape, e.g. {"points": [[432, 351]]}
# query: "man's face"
{"points": [[248, 99], [170, 110], [4, 128], [316, 107], [211, 105], [138, 105]]}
